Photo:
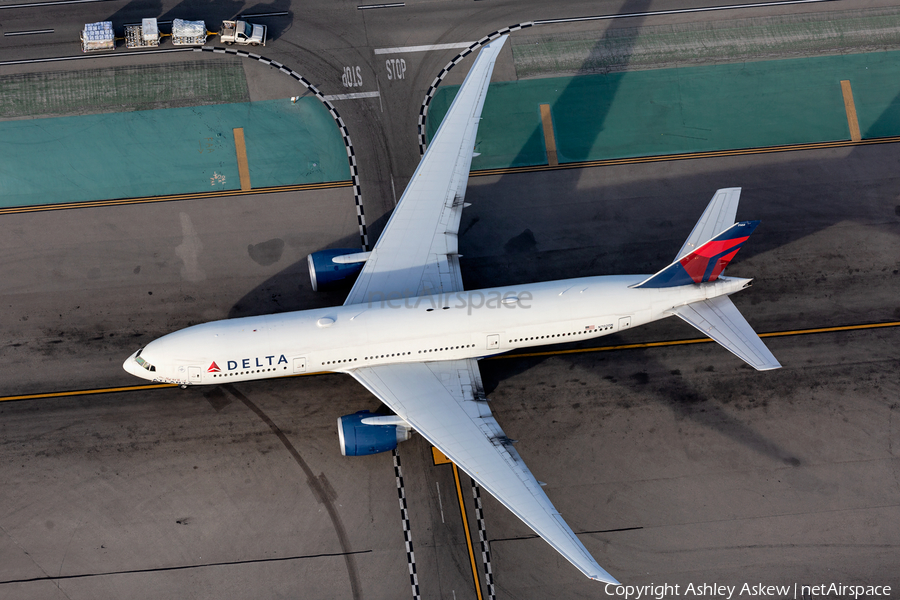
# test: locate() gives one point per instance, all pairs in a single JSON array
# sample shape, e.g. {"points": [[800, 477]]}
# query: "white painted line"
{"points": [[423, 48], [679, 11], [36, 31], [30, 4], [28, 61], [261, 15], [355, 96], [392, 5]]}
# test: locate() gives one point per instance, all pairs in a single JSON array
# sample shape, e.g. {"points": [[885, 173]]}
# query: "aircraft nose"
{"points": [[130, 365]]}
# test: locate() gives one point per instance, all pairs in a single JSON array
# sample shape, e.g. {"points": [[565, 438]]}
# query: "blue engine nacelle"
{"points": [[331, 268], [377, 434]]}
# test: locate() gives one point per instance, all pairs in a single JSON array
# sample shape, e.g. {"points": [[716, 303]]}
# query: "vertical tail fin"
{"points": [[705, 263], [718, 216]]}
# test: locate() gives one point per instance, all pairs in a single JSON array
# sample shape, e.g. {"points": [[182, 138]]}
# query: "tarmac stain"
{"points": [[189, 251], [266, 253]]}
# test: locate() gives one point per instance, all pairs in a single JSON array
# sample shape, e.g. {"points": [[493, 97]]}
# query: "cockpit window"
{"points": [[143, 363]]}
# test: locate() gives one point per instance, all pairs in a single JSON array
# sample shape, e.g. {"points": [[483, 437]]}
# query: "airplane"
{"points": [[412, 335]]}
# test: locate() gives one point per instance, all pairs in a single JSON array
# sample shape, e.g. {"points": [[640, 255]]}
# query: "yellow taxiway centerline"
{"points": [[792, 332], [697, 340], [687, 156], [300, 187], [465, 520]]}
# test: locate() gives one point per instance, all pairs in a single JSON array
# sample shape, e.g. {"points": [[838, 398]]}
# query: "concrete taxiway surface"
{"points": [[709, 469]]}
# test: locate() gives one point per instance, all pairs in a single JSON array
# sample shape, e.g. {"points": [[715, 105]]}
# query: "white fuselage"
{"points": [[428, 328]]}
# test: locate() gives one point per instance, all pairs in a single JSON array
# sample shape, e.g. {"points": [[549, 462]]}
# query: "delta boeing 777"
{"points": [[410, 334]]}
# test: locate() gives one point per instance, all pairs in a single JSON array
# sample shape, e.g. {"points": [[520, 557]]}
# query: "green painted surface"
{"points": [[876, 92], [167, 151], [673, 111]]}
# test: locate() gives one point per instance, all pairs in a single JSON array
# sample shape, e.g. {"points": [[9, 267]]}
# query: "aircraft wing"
{"points": [[417, 254], [720, 319], [444, 401]]}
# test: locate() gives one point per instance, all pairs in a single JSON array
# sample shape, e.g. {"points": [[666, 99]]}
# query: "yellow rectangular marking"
{"points": [[243, 167], [549, 139], [438, 456], [850, 107]]}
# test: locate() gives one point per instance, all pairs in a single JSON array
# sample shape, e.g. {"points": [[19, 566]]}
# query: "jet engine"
{"points": [[331, 268], [365, 433]]}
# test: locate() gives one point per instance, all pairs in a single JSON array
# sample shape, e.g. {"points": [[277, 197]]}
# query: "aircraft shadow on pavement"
{"points": [[290, 289], [133, 12]]}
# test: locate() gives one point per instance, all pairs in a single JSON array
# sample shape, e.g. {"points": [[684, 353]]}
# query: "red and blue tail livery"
{"points": [[705, 263]]}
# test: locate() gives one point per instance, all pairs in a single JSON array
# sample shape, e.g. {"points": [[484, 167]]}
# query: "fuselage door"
{"points": [[493, 341], [300, 364], [194, 374], [624, 323]]}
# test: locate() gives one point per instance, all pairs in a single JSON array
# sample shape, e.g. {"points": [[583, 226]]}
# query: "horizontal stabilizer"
{"points": [[718, 216], [720, 319], [705, 263]]}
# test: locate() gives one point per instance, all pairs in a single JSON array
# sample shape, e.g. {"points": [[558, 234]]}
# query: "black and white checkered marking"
{"points": [[351, 155], [485, 545], [407, 534], [423, 111]]}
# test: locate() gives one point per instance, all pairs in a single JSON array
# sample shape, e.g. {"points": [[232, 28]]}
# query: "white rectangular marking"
{"points": [[36, 31], [355, 96], [262, 15], [423, 48], [33, 4], [391, 5]]}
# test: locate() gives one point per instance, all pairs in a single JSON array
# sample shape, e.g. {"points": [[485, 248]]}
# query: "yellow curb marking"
{"points": [[850, 106], [243, 167], [549, 139]]}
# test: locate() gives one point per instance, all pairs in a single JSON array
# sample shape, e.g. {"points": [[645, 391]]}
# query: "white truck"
{"points": [[98, 36], [243, 33], [145, 35], [188, 33]]}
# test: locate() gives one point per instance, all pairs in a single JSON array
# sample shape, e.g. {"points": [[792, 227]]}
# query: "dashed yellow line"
{"points": [[300, 187]]}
